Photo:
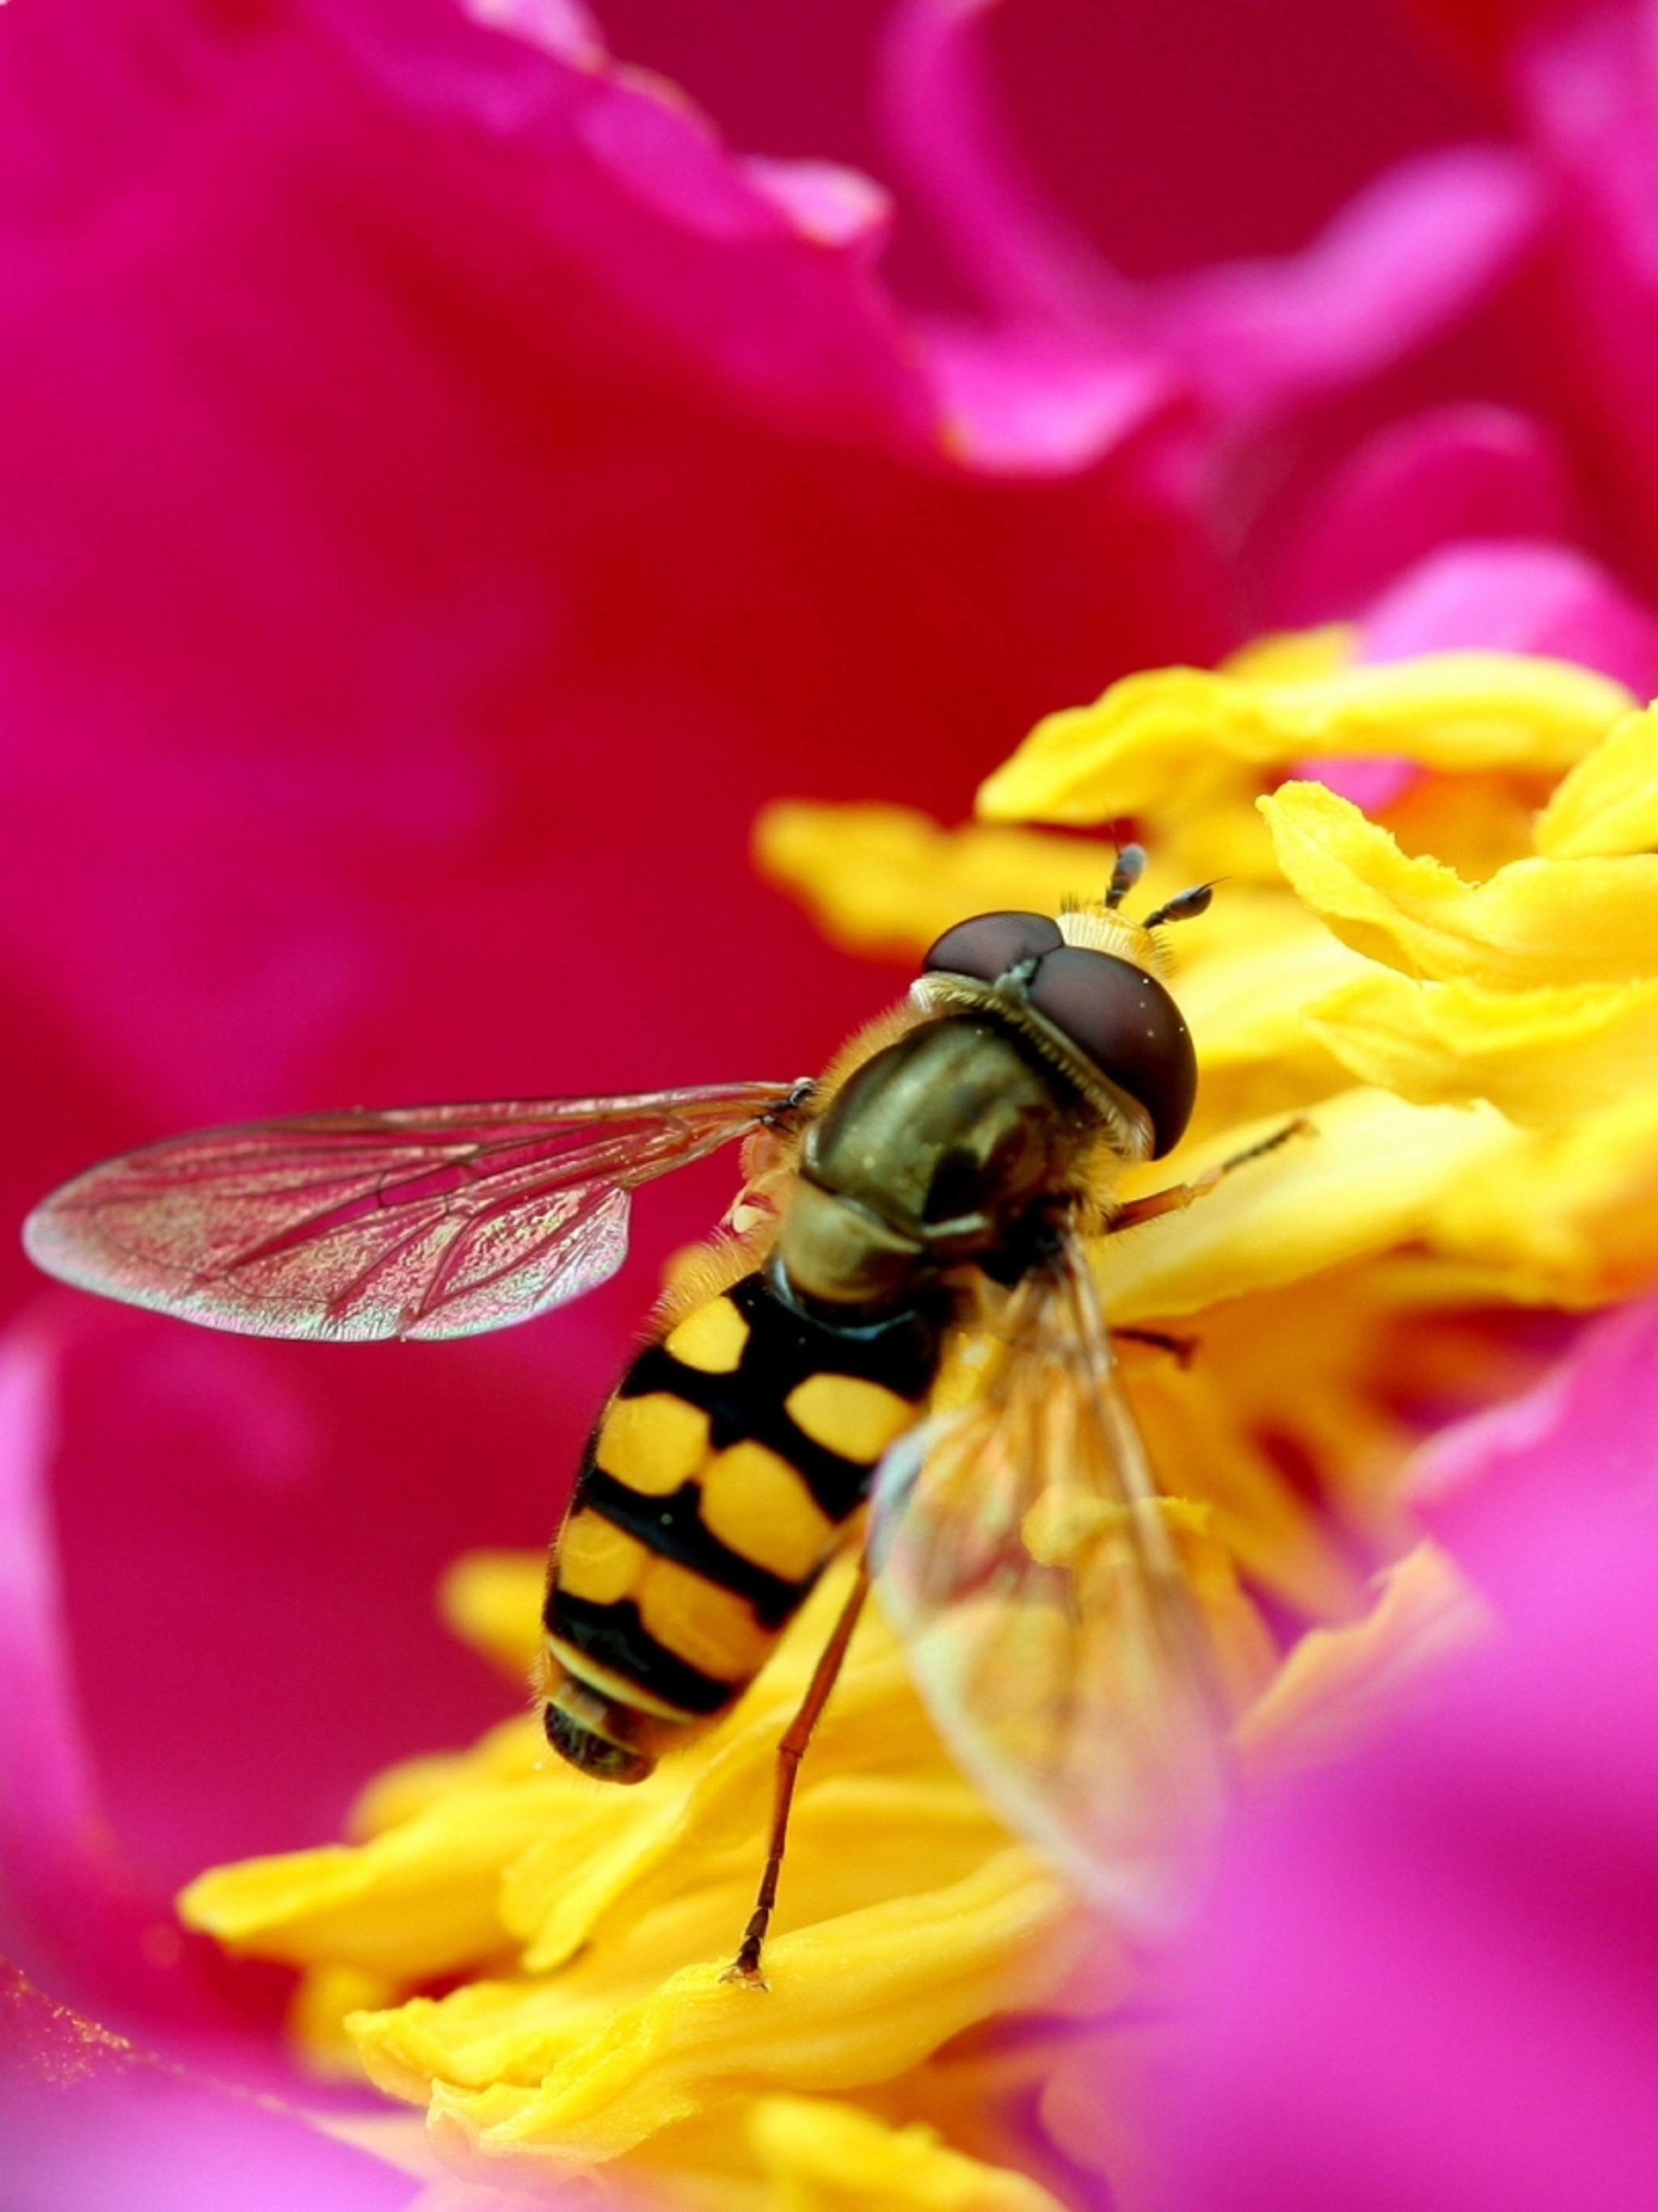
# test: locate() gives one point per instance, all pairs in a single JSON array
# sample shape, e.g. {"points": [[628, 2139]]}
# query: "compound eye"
{"points": [[990, 944], [1130, 1029]]}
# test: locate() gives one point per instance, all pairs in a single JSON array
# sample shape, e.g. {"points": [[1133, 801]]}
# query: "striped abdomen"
{"points": [[719, 1480]]}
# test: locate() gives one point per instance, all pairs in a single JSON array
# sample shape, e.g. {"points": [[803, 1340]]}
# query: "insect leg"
{"points": [[1180, 1195], [1179, 1349], [745, 1968]]}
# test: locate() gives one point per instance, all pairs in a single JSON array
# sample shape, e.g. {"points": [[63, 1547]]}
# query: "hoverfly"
{"points": [[943, 1178]]}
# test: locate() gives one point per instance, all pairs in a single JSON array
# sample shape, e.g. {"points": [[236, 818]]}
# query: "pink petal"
{"points": [[1428, 1978], [1030, 403], [564, 27], [69, 1902], [1410, 254], [1455, 472], [827, 204], [1585, 1441], [1371, 784], [1517, 596], [1586, 81], [332, 659], [1504, 595], [1024, 258], [90, 2123], [1413, 252], [53, 1846]]}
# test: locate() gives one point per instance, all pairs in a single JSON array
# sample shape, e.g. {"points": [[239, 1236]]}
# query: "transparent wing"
{"points": [[416, 1222], [1035, 1576]]}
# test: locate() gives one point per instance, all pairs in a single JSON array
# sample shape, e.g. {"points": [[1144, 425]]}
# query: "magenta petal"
{"points": [[1370, 784], [1584, 1441], [564, 27], [58, 1869], [827, 204], [68, 1904], [438, 469], [623, 174], [1449, 473], [1030, 404], [1516, 596], [1587, 83], [55, 1859], [1410, 254], [1019, 253], [87, 2124], [1413, 252], [1508, 596], [1429, 1978]]}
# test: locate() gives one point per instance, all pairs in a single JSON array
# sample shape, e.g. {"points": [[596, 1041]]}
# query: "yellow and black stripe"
{"points": [[718, 1481]]}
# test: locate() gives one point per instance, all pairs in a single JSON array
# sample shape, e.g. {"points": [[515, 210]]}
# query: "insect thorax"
{"points": [[953, 1144]]}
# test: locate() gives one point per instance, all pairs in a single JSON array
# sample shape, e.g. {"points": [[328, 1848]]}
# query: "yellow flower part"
{"points": [[1207, 730], [1448, 1011], [1608, 803], [1536, 921]]}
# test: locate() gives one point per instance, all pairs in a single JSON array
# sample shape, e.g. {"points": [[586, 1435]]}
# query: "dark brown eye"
{"points": [[990, 944], [1130, 1027]]}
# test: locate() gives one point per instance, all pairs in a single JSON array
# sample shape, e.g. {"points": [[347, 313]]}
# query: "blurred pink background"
{"points": [[444, 499]]}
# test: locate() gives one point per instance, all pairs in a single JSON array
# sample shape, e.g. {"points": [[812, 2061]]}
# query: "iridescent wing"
{"points": [[416, 1222], [1035, 1576]]}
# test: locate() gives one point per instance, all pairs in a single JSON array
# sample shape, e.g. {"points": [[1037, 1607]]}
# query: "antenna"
{"points": [[1182, 906], [1131, 866]]}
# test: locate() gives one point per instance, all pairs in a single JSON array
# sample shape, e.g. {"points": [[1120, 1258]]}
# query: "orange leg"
{"points": [[745, 1968], [1180, 1195]]}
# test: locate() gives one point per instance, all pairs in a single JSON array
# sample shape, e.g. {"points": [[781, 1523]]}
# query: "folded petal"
{"points": [[1242, 991], [1021, 254], [1369, 1176], [1544, 1057], [1408, 254], [859, 1998], [492, 1601], [1535, 922], [1176, 738], [832, 2157], [1608, 803], [418, 1901], [1020, 402], [1510, 595], [1565, 1216], [1447, 474], [1339, 1685], [888, 879]]}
